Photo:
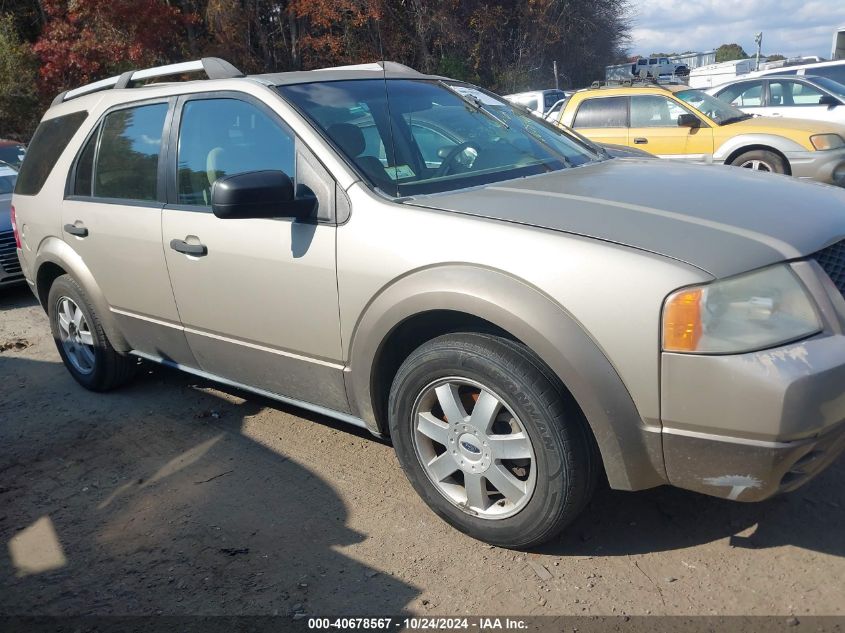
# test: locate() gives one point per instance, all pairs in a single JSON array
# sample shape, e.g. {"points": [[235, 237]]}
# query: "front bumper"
{"points": [[825, 166], [747, 426]]}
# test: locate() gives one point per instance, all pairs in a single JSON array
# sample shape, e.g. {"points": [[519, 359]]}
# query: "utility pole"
{"points": [[758, 39], [554, 66]]}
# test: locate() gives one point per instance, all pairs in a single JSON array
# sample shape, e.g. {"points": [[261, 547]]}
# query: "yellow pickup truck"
{"points": [[675, 121]]}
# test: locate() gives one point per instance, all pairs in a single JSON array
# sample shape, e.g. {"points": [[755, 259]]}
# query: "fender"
{"points": [[780, 143], [541, 324], [56, 251]]}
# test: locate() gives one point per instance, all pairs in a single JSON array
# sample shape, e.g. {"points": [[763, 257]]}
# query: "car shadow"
{"points": [[17, 296], [618, 523], [152, 499]]}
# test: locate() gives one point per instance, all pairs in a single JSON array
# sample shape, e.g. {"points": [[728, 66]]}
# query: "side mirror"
{"points": [[259, 194], [829, 100], [688, 120]]}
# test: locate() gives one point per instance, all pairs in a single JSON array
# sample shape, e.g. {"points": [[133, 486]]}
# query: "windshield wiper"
{"points": [[474, 103]]}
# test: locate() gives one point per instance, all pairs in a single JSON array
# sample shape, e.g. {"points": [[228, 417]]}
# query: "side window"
{"points": [[222, 137], [602, 112], [433, 145], [744, 95], [126, 166], [50, 140], [655, 111], [793, 93]]}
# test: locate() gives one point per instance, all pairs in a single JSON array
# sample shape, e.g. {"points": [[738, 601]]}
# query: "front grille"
{"points": [[8, 254], [832, 260]]}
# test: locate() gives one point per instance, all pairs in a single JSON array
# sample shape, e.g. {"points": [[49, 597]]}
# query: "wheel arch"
{"points": [[56, 258], [447, 298], [751, 148]]}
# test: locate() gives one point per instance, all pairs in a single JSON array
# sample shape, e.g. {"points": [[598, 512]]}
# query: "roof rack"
{"points": [[214, 68], [638, 82]]}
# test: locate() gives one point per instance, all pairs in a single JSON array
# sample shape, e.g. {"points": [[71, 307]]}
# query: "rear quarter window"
{"points": [[50, 140], [602, 112]]}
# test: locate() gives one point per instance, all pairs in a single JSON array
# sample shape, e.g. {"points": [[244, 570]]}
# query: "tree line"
{"points": [[47, 46]]}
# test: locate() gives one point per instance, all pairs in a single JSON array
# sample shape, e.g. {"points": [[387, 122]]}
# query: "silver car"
{"points": [[512, 307]]}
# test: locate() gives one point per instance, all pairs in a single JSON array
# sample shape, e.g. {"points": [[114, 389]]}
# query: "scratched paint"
{"points": [[737, 483]]}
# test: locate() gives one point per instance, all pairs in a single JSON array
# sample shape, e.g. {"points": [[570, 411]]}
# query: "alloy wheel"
{"points": [[75, 336], [473, 448], [757, 165]]}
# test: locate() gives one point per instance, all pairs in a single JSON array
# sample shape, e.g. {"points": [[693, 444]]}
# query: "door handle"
{"points": [[78, 231], [181, 246], [640, 141]]}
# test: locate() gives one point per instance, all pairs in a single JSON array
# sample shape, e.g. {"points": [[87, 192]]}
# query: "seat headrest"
{"points": [[349, 137]]}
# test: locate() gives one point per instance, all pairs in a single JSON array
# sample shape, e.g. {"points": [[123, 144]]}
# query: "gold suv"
{"points": [[675, 121]]}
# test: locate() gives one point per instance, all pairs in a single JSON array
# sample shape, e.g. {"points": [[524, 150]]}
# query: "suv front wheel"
{"points": [[489, 439], [81, 341]]}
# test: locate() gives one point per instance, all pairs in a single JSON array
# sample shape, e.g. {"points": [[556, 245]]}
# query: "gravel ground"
{"points": [[175, 496]]}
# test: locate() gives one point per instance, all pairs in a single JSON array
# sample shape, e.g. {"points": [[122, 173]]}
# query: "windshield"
{"points": [[410, 137], [831, 86], [719, 111], [7, 184]]}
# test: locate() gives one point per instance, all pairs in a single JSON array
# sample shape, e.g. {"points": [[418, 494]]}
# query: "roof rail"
{"points": [[379, 66], [638, 82], [214, 68]]}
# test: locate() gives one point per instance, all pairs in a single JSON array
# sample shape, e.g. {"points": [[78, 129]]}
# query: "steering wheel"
{"points": [[446, 165]]}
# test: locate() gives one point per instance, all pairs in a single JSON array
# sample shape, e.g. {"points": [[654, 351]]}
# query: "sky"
{"points": [[790, 27]]}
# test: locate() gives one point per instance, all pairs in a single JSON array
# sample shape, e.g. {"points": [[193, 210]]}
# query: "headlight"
{"points": [[743, 314], [827, 141]]}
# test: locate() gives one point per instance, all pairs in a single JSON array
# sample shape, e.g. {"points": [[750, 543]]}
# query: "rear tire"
{"points": [[85, 350], [528, 445], [761, 160]]}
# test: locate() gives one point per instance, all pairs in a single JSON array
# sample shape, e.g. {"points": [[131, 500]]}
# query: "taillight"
{"points": [[15, 228]]}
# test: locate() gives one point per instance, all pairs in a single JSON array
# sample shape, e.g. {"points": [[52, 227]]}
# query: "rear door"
{"points": [[748, 96], [259, 305], [603, 119], [111, 217]]}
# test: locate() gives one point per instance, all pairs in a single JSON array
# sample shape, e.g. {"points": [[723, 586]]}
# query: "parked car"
{"points": [[10, 268], [657, 67], [517, 319], [538, 101], [12, 153], [675, 121], [809, 97], [834, 70]]}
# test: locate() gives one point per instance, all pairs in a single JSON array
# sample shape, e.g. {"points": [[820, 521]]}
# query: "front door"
{"points": [[112, 219], [259, 303], [655, 129]]}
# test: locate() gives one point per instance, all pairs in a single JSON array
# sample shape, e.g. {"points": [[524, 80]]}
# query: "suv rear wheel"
{"points": [[81, 341], [488, 439]]}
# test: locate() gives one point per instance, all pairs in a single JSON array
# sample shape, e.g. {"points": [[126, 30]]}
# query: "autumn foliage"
{"points": [[505, 45]]}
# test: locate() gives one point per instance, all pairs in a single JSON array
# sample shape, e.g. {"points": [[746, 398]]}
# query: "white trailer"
{"points": [[717, 74]]}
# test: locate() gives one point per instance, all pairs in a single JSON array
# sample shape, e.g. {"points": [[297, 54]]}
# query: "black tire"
{"points": [[773, 162], [110, 369], [566, 458]]}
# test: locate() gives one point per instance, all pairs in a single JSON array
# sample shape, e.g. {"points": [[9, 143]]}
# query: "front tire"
{"points": [[85, 350], [490, 440], [761, 160]]}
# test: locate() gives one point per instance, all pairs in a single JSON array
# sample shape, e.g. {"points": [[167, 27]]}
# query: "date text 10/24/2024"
{"points": [[418, 624]]}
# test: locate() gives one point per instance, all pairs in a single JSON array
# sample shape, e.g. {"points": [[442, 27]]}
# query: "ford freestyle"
{"points": [[518, 312]]}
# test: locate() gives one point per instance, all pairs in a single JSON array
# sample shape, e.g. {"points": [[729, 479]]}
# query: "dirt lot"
{"points": [[174, 496]]}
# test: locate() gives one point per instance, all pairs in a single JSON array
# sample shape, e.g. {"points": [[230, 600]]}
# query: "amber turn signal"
{"points": [[682, 321]]}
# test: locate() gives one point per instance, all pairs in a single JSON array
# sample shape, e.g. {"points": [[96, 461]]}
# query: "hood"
{"points": [[723, 220], [769, 123]]}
